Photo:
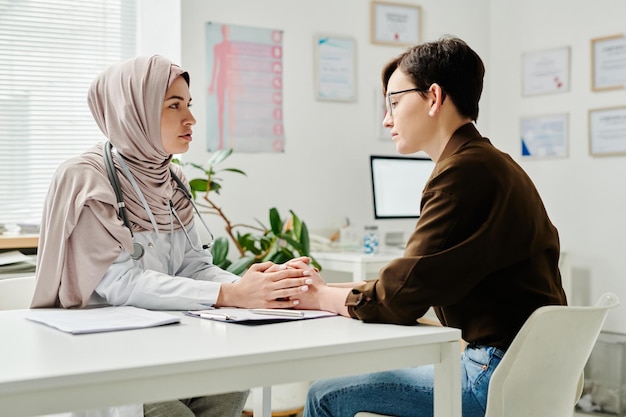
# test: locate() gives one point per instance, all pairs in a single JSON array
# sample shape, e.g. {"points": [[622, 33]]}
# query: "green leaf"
{"points": [[254, 249], [296, 244], [215, 186], [304, 241], [235, 170], [297, 224], [241, 265], [275, 222], [244, 239], [270, 255], [219, 156], [224, 265], [264, 227], [248, 243], [200, 167], [281, 257], [176, 161], [220, 250], [266, 242], [198, 184]]}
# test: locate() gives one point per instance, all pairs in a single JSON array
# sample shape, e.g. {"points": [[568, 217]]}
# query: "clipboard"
{"points": [[256, 316]]}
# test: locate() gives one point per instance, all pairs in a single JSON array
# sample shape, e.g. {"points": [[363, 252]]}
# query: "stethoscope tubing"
{"points": [[138, 249]]}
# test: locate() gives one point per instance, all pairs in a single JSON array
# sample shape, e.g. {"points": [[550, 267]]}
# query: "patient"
{"points": [[483, 254]]}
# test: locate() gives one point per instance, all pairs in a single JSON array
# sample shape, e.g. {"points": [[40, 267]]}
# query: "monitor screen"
{"points": [[397, 185]]}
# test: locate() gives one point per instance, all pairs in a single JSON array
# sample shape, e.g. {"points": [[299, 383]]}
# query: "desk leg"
{"points": [[358, 273], [262, 402], [448, 381]]}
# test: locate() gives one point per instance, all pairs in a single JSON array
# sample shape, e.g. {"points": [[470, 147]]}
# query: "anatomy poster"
{"points": [[245, 88]]}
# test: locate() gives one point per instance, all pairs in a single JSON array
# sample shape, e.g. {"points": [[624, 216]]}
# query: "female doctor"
{"points": [[142, 248]]}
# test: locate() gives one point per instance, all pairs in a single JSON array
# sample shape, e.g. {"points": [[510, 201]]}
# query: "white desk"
{"points": [[359, 264], [43, 370]]}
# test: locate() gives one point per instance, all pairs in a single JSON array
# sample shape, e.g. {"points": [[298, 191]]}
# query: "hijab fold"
{"points": [[81, 232]]}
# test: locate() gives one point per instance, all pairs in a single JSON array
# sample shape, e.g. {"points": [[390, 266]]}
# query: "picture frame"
{"points": [[395, 24], [608, 63], [546, 71], [544, 136], [335, 68], [607, 131]]}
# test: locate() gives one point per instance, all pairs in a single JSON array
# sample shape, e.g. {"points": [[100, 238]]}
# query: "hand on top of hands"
{"points": [[268, 285], [309, 299]]}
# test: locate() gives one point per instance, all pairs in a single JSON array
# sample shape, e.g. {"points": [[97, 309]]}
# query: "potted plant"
{"points": [[282, 240]]}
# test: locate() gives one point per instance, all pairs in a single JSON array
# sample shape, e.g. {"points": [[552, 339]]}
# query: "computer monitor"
{"points": [[397, 184]]}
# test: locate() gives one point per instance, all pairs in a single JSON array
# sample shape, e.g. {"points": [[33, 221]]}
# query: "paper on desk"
{"points": [[104, 319], [16, 261], [248, 316]]}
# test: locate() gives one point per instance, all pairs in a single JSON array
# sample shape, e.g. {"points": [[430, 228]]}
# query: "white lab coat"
{"points": [[170, 276]]}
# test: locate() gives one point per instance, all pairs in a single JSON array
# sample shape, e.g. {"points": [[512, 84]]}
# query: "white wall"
{"points": [[323, 174], [159, 28], [585, 196]]}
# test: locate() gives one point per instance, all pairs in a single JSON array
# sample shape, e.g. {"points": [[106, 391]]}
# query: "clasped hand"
{"points": [[269, 285], [307, 296]]}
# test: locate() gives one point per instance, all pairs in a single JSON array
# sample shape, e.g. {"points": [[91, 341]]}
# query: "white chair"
{"points": [[541, 373], [16, 293]]}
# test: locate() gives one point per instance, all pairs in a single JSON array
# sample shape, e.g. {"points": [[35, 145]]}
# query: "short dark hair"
{"points": [[449, 62]]}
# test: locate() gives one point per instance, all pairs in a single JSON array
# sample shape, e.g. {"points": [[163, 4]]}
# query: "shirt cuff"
{"points": [[354, 300]]}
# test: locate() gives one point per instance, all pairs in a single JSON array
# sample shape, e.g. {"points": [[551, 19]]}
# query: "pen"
{"points": [[275, 312], [217, 316]]}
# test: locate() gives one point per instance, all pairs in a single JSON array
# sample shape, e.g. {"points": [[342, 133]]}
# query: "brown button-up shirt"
{"points": [[484, 253]]}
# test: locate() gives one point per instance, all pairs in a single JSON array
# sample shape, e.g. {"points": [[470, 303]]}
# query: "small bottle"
{"points": [[370, 239]]}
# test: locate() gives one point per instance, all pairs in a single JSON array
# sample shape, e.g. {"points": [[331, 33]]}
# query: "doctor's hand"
{"points": [[266, 285], [300, 261]]}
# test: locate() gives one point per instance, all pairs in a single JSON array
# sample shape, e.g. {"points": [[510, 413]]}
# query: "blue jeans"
{"points": [[404, 392]]}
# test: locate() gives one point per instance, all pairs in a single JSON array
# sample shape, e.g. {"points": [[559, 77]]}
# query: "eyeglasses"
{"points": [[391, 93]]}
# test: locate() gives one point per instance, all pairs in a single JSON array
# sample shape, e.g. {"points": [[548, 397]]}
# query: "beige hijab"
{"points": [[81, 233]]}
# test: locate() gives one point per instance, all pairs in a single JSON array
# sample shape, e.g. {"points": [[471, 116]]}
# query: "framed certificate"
{"points": [[546, 72], [395, 24], [544, 136], [335, 68], [608, 71], [607, 131]]}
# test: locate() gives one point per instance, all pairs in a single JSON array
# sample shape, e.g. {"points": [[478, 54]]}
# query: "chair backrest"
{"points": [[539, 374], [17, 292]]}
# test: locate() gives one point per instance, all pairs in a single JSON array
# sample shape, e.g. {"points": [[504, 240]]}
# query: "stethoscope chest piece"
{"points": [[138, 251]]}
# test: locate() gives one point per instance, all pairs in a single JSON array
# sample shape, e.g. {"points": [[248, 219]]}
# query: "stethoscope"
{"points": [[138, 248]]}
